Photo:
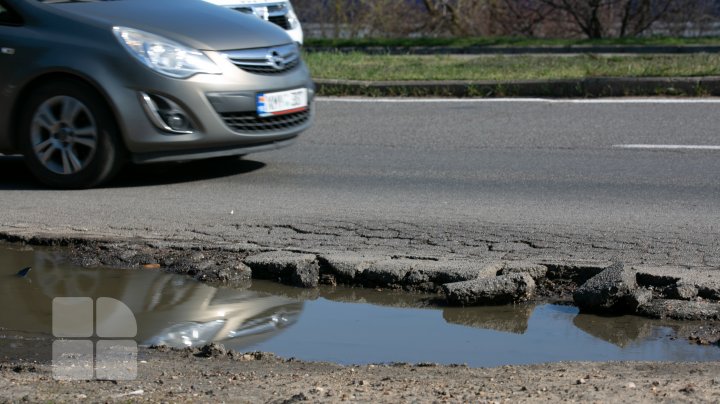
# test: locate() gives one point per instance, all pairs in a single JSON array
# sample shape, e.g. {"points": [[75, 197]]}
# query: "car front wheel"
{"points": [[69, 137]]}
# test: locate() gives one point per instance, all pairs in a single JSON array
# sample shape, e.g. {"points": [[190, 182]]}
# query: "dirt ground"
{"points": [[212, 375]]}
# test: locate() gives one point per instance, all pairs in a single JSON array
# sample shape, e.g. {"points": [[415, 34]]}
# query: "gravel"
{"points": [[212, 374]]}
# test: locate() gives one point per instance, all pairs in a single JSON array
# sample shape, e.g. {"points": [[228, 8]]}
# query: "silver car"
{"points": [[86, 86], [278, 12]]}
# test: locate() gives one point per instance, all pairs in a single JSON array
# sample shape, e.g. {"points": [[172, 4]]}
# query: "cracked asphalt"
{"points": [[455, 179]]}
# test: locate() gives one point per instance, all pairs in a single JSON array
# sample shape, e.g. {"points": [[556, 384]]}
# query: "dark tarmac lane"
{"points": [[571, 166]]}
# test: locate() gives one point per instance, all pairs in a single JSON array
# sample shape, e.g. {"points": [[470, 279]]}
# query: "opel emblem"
{"points": [[275, 60]]}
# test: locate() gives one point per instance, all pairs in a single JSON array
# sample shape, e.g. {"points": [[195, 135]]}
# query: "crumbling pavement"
{"points": [[598, 287]]}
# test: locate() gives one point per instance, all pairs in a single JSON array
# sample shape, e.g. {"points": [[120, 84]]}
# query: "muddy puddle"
{"points": [[349, 326]]}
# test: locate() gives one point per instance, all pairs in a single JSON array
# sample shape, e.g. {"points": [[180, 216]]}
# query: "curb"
{"points": [[517, 50], [565, 88]]}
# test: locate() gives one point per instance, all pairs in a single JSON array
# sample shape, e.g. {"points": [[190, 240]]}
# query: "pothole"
{"points": [[338, 324]]}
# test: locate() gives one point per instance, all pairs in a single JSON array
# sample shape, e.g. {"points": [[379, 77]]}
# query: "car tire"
{"points": [[69, 136]]}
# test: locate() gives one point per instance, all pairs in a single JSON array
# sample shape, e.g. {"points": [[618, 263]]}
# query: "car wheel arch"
{"points": [[69, 135], [43, 79]]}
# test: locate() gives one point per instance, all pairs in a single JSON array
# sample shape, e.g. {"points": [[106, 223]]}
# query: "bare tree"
{"points": [[604, 18], [393, 18], [534, 18], [460, 17], [690, 18], [519, 17]]}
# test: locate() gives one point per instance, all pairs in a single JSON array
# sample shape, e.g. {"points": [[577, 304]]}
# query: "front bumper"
{"points": [[209, 101], [187, 155]]}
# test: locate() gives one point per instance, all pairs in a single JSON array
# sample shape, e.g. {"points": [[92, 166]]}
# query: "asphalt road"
{"points": [[519, 179]]}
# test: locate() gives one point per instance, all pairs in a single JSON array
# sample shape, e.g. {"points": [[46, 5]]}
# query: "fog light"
{"points": [[166, 114], [177, 122]]}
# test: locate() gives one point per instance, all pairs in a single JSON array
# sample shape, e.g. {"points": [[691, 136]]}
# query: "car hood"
{"points": [[198, 24]]}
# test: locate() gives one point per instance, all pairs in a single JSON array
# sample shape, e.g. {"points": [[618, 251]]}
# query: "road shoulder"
{"points": [[212, 374]]}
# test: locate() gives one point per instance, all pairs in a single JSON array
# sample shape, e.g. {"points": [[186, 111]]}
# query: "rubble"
{"points": [[595, 286], [614, 290], [681, 310], [504, 289], [286, 267]]}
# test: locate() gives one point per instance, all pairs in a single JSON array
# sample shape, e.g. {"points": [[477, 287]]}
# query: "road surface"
{"points": [[637, 180]]}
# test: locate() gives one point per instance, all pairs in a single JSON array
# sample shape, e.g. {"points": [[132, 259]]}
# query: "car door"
{"points": [[11, 27]]}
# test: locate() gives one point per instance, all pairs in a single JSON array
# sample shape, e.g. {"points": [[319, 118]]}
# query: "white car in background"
{"points": [[279, 12]]}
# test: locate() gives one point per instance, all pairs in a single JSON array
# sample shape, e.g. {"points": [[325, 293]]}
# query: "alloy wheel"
{"points": [[64, 135]]}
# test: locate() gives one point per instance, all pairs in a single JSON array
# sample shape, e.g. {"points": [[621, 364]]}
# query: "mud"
{"points": [[212, 374]]}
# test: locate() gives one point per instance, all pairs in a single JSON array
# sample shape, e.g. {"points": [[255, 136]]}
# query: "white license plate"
{"points": [[282, 103]]}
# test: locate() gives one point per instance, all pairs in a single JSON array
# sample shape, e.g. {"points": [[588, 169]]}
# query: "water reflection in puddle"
{"points": [[340, 325]]}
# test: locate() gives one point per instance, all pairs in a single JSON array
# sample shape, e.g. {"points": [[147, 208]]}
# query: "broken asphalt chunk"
{"points": [[294, 269], [612, 291], [504, 289], [681, 310]]}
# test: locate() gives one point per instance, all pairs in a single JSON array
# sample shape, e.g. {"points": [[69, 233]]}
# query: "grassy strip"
{"points": [[358, 66], [499, 41]]}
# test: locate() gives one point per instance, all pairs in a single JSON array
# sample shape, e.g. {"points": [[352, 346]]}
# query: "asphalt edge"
{"points": [[594, 87], [660, 292]]}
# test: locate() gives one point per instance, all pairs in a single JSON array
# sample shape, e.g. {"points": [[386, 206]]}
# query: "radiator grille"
{"points": [[250, 122], [276, 60]]}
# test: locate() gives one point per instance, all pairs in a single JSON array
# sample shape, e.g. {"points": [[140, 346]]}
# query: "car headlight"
{"points": [[164, 55], [293, 19]]}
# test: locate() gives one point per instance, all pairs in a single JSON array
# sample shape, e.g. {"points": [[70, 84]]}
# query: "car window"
{"points": [[8, 16]]}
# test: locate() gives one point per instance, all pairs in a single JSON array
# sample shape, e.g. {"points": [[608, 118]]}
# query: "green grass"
{"points": [[499, 41], [359, 66]]}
